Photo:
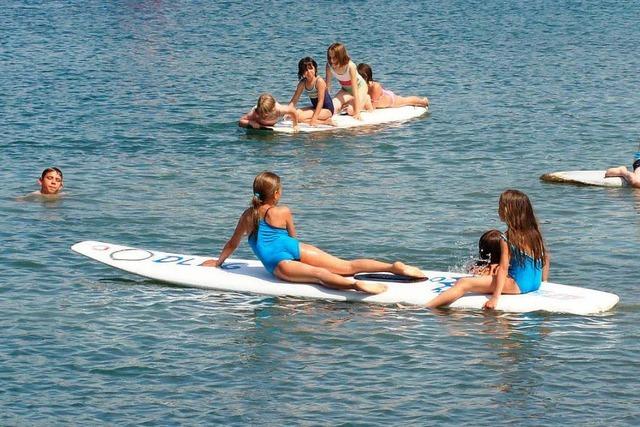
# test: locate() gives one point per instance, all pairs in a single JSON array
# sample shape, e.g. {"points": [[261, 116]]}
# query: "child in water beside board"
{"points": [[51, 183], [267, 112], [489, 253], [632, 178], [272, 237], [524, 262]]}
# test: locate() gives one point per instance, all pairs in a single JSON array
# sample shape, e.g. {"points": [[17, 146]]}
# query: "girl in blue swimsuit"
{"points": [[524, 262], [272, 235]]}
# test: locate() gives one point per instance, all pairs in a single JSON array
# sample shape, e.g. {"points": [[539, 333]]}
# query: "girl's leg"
{"points": [[341, 100], [477, 284], [384, 101], [311, 255], [305, 114], [365, 99], [401, 101], [480, 284], [299, 272], [324, 117]]}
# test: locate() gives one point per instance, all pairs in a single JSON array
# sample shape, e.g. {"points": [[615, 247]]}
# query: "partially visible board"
{"points": [[595, 178]]}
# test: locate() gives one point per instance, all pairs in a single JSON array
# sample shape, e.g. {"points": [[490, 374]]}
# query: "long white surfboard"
{"points": [[595, 178], [342, 121], [249, 276]]}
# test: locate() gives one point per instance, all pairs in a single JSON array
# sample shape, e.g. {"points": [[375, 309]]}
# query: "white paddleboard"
{"points": [[595, 178], [343, 121], [250, 276]]}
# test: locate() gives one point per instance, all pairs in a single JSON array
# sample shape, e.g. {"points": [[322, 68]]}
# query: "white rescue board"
{"points": [[343, 121], [249, 276], [595, 178]]}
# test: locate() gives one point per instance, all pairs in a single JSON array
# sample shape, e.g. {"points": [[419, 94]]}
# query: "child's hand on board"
{"points": [[210, 263]]}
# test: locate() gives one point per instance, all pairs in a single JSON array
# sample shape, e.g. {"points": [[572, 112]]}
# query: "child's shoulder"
{"points": [[281, 209]]}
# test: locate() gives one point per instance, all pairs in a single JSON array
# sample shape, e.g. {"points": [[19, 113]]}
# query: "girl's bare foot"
{"points": [[407, 270], [370, 287]]}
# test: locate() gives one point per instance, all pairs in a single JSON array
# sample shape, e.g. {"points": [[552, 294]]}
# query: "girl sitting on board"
{"points": [[267, 112], [316, 88], [632, 178], [524, 263], [383, 98], [272, 237], [339, 63]]}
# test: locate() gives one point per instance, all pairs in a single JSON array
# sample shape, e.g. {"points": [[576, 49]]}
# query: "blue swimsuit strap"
{"points": [[264, 217]]}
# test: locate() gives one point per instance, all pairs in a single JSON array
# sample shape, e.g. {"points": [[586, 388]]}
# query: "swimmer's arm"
{"points": [[354, 84], [232, 244], [249, 120], [296, 95], [328, 79], [501, 276], [546, 267]]}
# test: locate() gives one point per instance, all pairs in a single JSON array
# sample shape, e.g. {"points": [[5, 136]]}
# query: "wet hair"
{"points": [[265, 185], [266, 105], [489, 251], [304, 64], [340, 52], [365, 71], [53, 169], [523, 232]]}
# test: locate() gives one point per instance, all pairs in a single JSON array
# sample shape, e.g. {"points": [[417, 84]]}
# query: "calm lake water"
{"points": [[137, 102]]}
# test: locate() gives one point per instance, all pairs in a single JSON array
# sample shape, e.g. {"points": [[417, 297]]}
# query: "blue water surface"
{"points": [[138, 102]]}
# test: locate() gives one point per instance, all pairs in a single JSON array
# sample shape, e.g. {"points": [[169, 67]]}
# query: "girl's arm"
{"points": [[296, 94], [241, 229], [249, 119], [327, 72], [291, 228], [353, 72], [291, 111], [501, 276], [375, 92], [546, 266]]}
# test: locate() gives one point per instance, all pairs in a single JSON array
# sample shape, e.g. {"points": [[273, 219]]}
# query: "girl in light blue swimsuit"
{"points": [[524, 262], [321, 109], [272, 234]]}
